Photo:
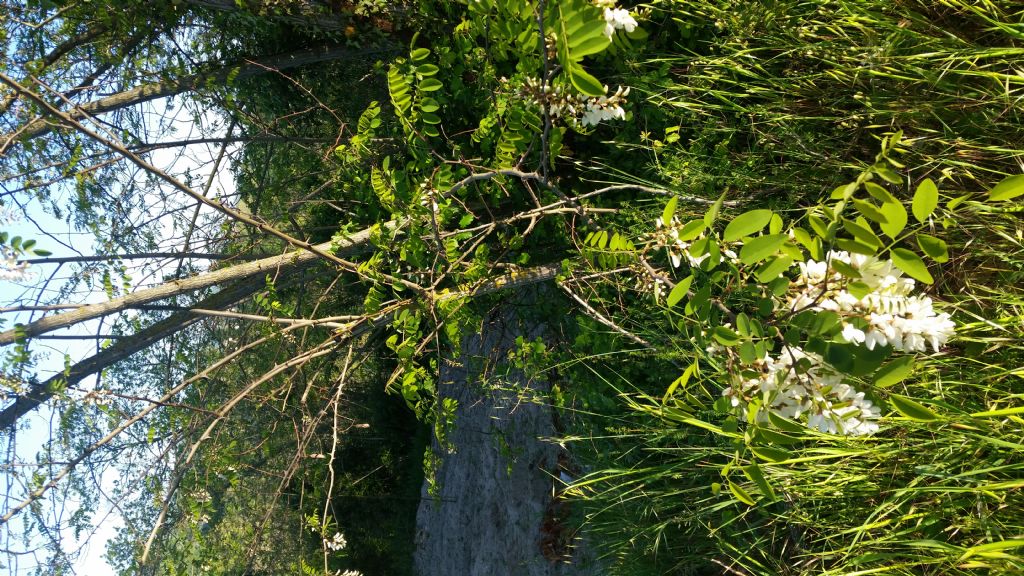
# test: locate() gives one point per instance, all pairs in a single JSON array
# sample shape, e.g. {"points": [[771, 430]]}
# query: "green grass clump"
{"points": [[777, 103], [797, 91]]}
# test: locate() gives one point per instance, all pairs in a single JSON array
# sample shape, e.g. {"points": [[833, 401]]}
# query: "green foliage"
{"points": [[764, 106]]}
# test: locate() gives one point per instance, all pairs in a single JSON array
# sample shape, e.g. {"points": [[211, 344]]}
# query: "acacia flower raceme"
{"points": [[887, 315], [561, 102], [336, 542], [801, 386], [615, 18], [12, 270]]}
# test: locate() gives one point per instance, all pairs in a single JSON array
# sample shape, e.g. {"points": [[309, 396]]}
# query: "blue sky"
{"points": [[50, 354]]}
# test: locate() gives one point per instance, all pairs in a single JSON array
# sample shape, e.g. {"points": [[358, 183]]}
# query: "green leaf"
{"points": [[757, 249], [399, 89], [993, 549], [855, 247], [803, 237], [743, 324], [753, 472], [895, 216], [818, 225], [785, 424], [740, 494], [430, 85], [748, 353], [774, 268], [887, 174], [678, 291], [774, 437], [670, 211], [585, 82], [926, 198], [680, 382], [844, 192], [844, 268], [999, 413], [770, 454], [591, 45], [911, 264], [933, 247], [427, 69], [859, 289], [879, 193], [952, 204], [1008, 189], [699, 305], [863, 234], [419, 54], [870, 211], [746, 224], [912, 409], [725, 336], [585, 38], [691, 230], [894, 372], [429, 105], [712, 213]]}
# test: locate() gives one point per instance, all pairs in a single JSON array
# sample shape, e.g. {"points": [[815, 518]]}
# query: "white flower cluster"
{"points": [[605, 108], [348, 573], [12, 270], [816, 392], [615, 18], [562, 103], [336, 542], [889, 315], [668, 237], [646, 283]]}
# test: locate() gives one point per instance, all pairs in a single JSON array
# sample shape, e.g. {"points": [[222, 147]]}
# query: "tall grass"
{"points": [[793, 96], [938, 497], [797, 90]]}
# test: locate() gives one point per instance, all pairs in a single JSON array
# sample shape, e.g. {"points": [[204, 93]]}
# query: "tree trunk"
{"points": [[123, 348], [244, 69], [351, 245], [310, 14], [496, 503]]}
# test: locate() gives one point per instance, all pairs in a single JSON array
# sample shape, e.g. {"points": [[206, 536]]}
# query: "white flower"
{"points": [[852, 334], [818, 393], [604, 108], [12, 270], [895, 317], [336, 542], [561, 102], [617, 19]]}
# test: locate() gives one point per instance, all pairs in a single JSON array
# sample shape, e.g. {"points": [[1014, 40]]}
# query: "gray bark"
{"points": [[352, 245], [494, 513]]}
